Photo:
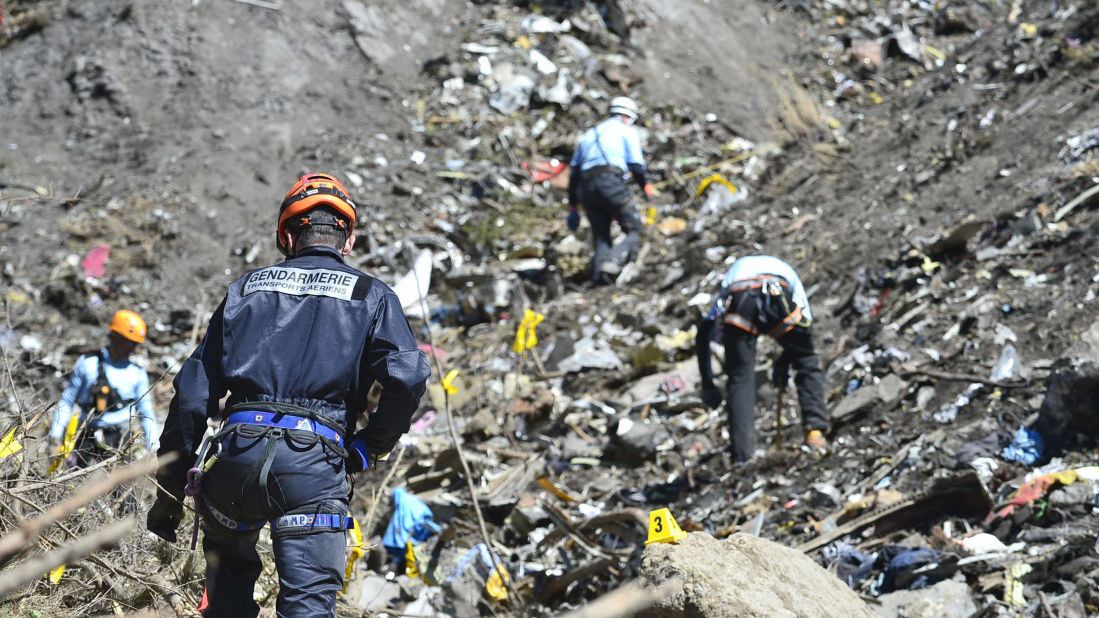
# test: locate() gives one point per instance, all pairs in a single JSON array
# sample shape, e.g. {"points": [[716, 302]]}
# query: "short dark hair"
{"points": [[321, 226]]}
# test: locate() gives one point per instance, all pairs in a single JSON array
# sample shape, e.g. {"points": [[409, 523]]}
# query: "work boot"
{"points": [[816, 442]]}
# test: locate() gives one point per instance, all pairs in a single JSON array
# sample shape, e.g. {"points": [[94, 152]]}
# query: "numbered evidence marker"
{"points": [[663, 528]]}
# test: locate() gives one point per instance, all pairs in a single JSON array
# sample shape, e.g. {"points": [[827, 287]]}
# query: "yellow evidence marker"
{"points": [[356, 551], [663, 528]]}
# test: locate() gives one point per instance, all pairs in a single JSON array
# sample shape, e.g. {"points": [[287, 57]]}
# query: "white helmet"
{"points": [[624, 106]]}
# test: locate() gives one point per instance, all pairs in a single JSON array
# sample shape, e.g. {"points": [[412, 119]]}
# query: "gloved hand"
{"points": [[164, 517], [780, 375], [573, 220], [649, 190], [711, 395], [358, 455]]}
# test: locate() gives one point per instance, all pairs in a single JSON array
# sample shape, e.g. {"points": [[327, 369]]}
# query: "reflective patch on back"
{"points": [[301, 282]]}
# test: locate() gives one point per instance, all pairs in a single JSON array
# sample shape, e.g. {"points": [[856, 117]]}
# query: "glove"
{"points": [[649, 190], [573, 220], [164, 518], [358, 456], [780, 375], [711, 395]]}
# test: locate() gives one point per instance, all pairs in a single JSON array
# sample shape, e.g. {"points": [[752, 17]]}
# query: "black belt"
{"points": [[604, 169]]}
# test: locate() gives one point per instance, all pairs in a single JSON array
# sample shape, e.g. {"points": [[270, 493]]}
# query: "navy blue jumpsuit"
{"points": [[311, 334]]}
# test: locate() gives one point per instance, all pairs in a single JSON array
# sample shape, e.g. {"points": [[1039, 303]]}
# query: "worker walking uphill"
{"points": [[105, 391], [598, 180], [762, 295], [297, 347]]}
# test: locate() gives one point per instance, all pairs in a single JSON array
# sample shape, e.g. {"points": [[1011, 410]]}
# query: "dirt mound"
{"points": [[745, 577]]}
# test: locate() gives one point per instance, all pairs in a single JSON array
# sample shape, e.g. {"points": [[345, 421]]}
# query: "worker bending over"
{"points": [[762, 295]]}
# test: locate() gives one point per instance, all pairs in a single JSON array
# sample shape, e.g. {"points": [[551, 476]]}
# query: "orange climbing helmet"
{"points": [[129, 326], [312, 191]]}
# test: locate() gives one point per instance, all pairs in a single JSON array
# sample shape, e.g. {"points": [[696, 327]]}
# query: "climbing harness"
{"points": [[272, 422], [764, 290]]}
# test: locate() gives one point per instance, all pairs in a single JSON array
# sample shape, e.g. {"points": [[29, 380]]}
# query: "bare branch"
{"points": [[14, 542], [627, 600], [36, 567]]}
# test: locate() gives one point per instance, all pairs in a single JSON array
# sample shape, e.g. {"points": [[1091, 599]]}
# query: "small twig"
{"points": [[68, 476], [369, 521], [199, 312], [261, 4], [568, 528], [11, 184], [961, 377], [627, 600], [1079, 199], [1045, 604], [34, 568]]}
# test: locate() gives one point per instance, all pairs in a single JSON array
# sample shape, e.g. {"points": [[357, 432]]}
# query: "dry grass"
{"points": [[791, 113]]}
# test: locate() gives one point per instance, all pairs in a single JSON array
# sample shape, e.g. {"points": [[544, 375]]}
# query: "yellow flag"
{"points": [[55, 574], [711, 179], [410, 568], [68, 444], [496, 586], [358, 549], [526, 336], [9, 445], [448, 382]]}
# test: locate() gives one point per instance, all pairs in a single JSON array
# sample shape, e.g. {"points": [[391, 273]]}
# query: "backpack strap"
{"points": [[104, 396]]}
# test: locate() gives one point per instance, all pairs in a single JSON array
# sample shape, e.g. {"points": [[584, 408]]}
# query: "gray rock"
{"points": [[376, 593], [885, 393], [1071, 495], [946, 599]]}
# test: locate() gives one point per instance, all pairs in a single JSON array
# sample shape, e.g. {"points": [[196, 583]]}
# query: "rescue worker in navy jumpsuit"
{"points": [[297, 347]]}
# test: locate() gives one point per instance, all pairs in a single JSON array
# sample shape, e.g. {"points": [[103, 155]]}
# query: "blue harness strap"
{"points": [[284, 421], [308, 521], [332, 521]]}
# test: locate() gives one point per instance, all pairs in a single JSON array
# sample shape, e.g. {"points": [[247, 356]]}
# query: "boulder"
{"points": [[744, 577]]}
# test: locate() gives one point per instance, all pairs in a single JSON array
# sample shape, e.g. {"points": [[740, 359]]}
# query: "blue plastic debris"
{"points": [[1027, 447], [412, 519]]}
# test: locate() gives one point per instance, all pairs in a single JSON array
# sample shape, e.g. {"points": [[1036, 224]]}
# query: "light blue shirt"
{"points": [[611, 142], [752, 266], [129, 380]]}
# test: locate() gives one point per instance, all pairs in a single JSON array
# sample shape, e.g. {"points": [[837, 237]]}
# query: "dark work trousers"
{"points": [[88, 450], [304, 478], [606, 198], [740, 362]]}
